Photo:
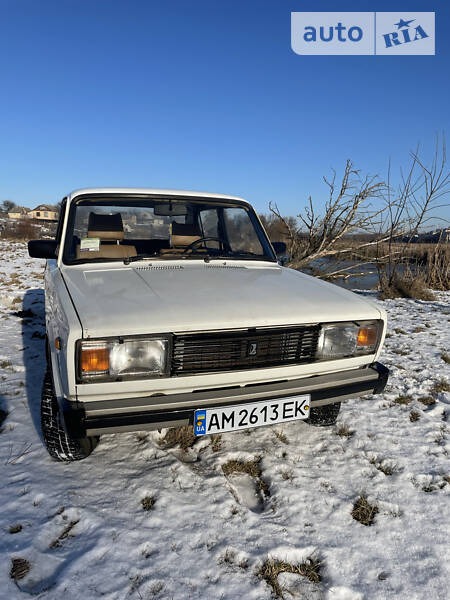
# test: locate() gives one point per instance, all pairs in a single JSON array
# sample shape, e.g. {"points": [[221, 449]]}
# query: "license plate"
{"points": [[232, 418]]}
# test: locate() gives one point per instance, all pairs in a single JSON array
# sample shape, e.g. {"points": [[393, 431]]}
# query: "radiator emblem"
{"points": [[252, 349]]}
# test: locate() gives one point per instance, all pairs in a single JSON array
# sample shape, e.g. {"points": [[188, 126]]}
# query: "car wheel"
{"points": [[59, 444], [323, 416]]}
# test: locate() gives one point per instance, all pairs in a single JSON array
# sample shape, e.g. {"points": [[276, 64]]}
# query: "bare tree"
{"points": [[368, 217], [412, 206], [346, 211]]}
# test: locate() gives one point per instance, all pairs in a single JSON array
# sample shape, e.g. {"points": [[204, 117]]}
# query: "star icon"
{"points": [[403, 23]]}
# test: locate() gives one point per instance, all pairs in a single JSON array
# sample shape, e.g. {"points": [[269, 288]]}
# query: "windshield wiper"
{"points": [[130, 259], [249, 254]]}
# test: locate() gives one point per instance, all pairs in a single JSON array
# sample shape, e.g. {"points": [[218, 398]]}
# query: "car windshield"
{"points": [[132, 229]]}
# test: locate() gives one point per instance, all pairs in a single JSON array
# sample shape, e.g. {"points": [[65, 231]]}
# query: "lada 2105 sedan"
{"points": [[167, 308]]}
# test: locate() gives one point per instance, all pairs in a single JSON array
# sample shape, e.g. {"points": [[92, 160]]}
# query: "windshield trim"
{"points": [[103, 198]]}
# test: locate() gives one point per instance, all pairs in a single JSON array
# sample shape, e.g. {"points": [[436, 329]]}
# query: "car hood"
{"points": [[198, 296]]}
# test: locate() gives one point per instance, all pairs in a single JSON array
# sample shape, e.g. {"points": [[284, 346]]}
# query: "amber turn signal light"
{"points": [[94, 360], [367, 336]]}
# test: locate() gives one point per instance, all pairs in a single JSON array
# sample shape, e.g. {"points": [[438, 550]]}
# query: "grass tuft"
{"points": [[406, 287], [20, 567], [250, 467], [344, 430], [65, 534], [441, 385], [281, 436], [287, 475], [230, 558], [427, 400], [179, 436], [414, 416], [445, 357], [216, 442], [272, 568], [148, 502], [384, 466], [403, 400], [15, 528], [363, 511]]}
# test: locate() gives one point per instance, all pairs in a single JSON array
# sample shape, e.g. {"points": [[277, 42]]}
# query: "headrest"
{"points": [[183, 234], [185, 229], [105, 227]]}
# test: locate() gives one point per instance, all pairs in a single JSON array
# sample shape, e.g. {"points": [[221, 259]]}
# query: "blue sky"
{"points": [[204, 95]]}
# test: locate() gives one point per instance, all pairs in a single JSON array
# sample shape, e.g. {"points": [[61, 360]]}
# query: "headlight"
{"points": [[124, 358], [338, 340]]}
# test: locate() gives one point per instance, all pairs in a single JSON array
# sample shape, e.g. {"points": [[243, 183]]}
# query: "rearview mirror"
{"points": [[170, 210]]}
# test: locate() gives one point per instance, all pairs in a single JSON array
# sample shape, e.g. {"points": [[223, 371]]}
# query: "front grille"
{"points": [[251, 349]]}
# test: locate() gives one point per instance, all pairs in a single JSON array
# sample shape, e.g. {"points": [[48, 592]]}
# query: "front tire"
{"points": [[324, 416], [59, 444]]}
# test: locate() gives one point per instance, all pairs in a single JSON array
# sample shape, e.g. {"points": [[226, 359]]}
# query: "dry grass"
{"points": [[445, 357], [403, 400], [406, 287], [287, 475], [414, 416], [401, 351], [281, 436], [179, 436], [250, 467], [216, 442], [230, 558], [427, 400], [148, 502], [363, 511], [64, 534], [344, 430], [20, 567], [17, 528], [272, 568], [441, 385], [384, 466]]}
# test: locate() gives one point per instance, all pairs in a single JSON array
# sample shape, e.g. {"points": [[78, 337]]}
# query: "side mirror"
{"points": [[42, 248], [279, 247], [281, 252]]}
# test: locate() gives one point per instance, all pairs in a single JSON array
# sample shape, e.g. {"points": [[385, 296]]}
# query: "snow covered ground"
{"points": [[139, 519]]}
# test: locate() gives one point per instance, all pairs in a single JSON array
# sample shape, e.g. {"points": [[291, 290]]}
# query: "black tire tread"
{"points": [[59, 444]]}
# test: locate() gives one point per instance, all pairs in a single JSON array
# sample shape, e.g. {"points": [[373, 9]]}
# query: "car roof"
{"points": [[153, 192]]}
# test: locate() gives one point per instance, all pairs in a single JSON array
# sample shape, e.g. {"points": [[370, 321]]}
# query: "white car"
{"points": [[166, 308]]}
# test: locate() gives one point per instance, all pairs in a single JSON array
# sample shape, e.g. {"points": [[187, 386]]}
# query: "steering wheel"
{"points": [[194, 245]]}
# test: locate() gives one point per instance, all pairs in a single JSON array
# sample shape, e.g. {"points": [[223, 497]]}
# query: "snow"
{"points": [[85, 533]]}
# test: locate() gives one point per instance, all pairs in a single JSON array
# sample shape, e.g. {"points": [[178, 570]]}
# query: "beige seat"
{"points": [[109, 230], [182, 235]]}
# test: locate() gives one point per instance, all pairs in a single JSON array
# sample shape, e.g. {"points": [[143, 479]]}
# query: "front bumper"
{"points": [[156, 412]]}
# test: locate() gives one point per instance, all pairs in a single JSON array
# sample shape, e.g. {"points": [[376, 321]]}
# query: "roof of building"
{"points": [[43, 207]]}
